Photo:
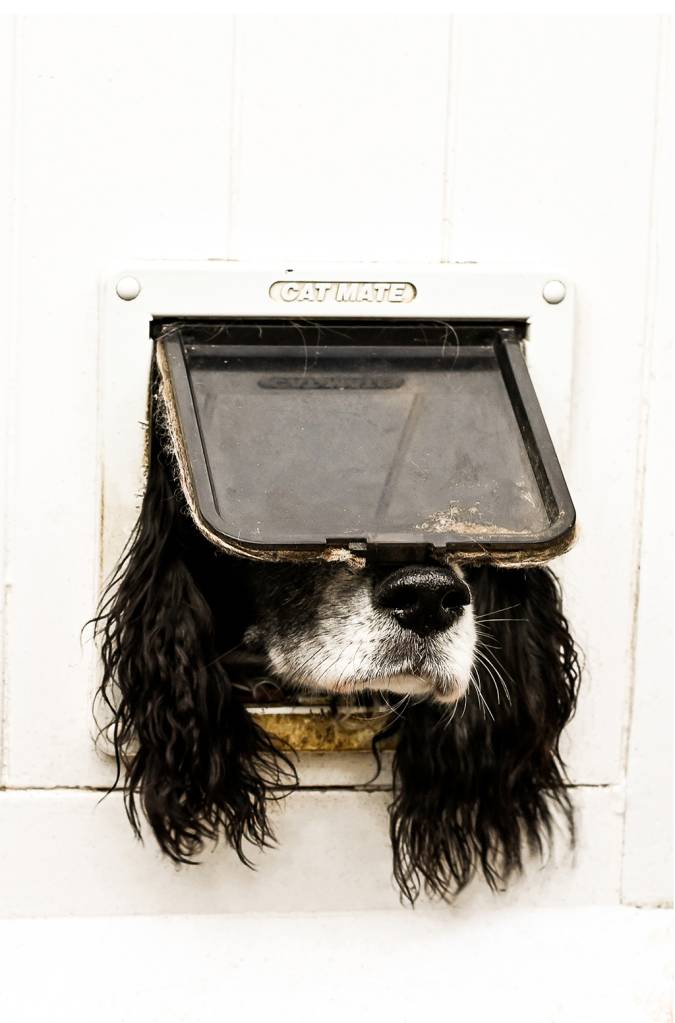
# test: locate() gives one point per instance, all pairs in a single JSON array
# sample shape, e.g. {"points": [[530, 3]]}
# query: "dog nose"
{"points": [[424, 599]]}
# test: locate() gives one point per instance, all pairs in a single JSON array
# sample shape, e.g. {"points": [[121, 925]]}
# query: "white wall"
{"points": [[517, 140]]}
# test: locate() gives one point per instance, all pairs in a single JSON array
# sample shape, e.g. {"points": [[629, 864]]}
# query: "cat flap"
{"points": [[398, 440]]}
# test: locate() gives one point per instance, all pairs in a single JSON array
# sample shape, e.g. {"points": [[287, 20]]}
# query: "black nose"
{"points": [[423, 598]]}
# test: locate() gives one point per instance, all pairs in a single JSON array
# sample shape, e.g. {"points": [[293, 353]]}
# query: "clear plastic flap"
{"points": [[389, 434]]}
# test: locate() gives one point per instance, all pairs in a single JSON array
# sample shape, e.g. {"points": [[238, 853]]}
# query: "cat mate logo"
{"points": [[342, 291]]}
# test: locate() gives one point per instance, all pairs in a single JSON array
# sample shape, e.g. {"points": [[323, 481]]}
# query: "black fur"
{"points": [[192, 755], [470, 793], [474, 788]]}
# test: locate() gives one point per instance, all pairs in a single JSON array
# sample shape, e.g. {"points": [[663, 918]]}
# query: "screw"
{"points": [[128, 288], [554, 292]]}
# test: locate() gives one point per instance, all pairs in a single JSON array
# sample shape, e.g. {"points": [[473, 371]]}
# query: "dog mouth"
{"points": [[435, 667], [421, 686], [423, 671]]}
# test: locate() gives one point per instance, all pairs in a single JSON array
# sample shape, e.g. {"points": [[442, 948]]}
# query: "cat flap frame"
{"points": [[166, 301]]}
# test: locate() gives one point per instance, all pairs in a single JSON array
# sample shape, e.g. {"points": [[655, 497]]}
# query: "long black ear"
{"points": [[476, 788], [193, 759]]}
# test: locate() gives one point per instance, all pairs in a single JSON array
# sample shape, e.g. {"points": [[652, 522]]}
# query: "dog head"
{"points": [[473, 789]]}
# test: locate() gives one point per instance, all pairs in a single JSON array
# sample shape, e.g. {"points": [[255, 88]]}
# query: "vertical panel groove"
{"points": [[651, 257], [646, 839]]}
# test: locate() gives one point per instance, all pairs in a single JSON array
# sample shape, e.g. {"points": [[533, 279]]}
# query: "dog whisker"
{"points": [[481, 660], [497, 611], [476, 685], [506, 620], [395, 710], [491, 659], [493, 672]]}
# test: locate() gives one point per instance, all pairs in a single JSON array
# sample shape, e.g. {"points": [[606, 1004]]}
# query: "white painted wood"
{"points": [[122, 148], [551, 153], [66, 853], [336, 769], [648, 853], [340, 137], [508, 140], [560, 965]]}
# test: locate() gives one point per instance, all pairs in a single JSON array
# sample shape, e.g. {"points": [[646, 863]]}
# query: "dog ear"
{"points": [[476, 786], [195, 762]]}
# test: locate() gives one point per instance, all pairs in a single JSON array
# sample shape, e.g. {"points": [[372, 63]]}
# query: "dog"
{"points": [[480, 661]]}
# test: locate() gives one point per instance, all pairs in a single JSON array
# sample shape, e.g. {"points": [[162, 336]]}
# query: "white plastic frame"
{"points": [[220, 288]]}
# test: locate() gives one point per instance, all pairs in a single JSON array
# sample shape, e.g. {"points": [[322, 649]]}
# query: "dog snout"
{"points": [[423, 599]]}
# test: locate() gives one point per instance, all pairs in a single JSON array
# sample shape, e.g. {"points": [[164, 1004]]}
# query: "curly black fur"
{"points": [[191, 754], [472, 792]]}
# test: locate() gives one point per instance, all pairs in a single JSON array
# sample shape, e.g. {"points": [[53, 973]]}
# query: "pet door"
{"points": [[392, 439], [341, 412]]}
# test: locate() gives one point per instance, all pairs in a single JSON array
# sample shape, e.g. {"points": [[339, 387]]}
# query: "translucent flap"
{"points": [[387, 434]]}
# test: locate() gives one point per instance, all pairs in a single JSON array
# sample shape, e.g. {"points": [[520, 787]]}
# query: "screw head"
{"points": [[128, 288], [554, 292]]}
